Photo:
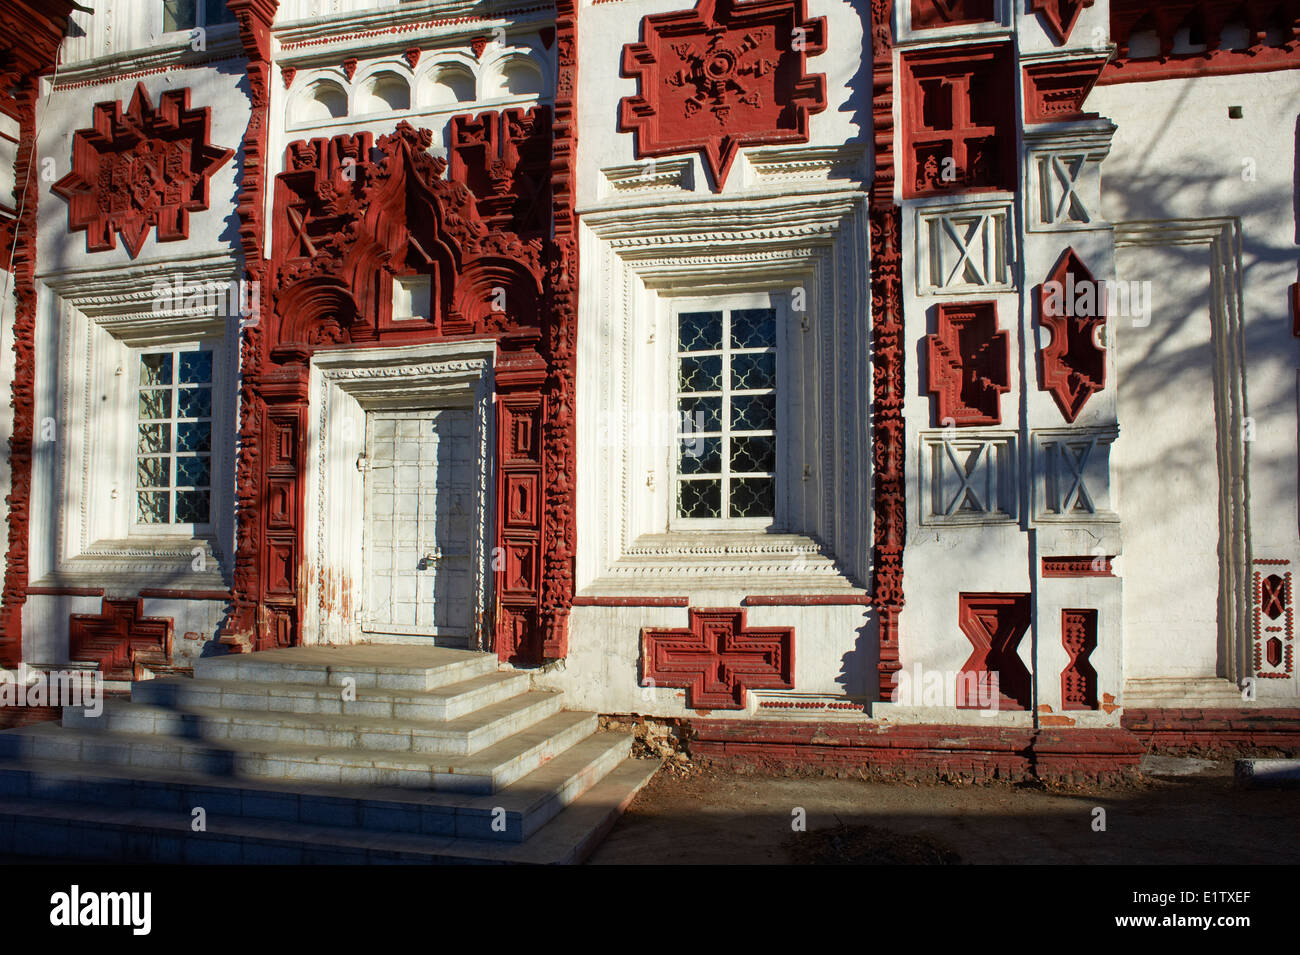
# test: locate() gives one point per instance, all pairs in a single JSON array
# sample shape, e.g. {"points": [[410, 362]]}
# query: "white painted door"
{"points": [[419, 502]]}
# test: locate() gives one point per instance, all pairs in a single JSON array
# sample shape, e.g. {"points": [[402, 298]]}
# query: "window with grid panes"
{"points": [[190, 14], [726, 403], [174, 438]]}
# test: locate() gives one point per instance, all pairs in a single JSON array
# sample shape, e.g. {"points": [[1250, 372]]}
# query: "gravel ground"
{"points": [[700, 815]]}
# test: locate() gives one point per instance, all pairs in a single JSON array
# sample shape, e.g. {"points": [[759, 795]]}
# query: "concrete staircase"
{"points": [[372, 753]]}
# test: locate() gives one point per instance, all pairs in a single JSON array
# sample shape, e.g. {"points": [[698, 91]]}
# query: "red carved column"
{"points": [[888, 524], [559, 532], [23, 243], [30, 34], [243, 628]]}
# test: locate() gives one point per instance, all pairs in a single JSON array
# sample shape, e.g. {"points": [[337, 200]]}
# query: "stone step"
{"points": [[511, 815], [374, 666], [464, 735], [445, 702], [487, 771], [72, 831]]}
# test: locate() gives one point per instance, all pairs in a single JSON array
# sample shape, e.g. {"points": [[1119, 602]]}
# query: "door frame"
{"points": [[344, 385]]}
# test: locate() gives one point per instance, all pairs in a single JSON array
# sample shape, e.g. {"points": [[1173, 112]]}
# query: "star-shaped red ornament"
{"points": [[139, 170], [724, 75]]}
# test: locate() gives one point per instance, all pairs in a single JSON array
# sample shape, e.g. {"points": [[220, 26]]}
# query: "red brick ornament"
{"points": [[120, 639], [143, 168], [1074, 366], [718, 658], [722, 76], [968, 364], [1059, 16], [995, 624]]}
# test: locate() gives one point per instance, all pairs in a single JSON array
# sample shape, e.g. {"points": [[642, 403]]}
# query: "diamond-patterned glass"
{"points": [[757, 453], [191, 507], [152, 472], [753, 412], [696, 499], [193, 436], [752, 497], [196, 368], [700, 414], [194, 403], [700, 456], [193, 470], [154, 439], [155, 404], [155, 370], [153, 507], [699, 331], [753, 328], [700, 374], [753, 370]]}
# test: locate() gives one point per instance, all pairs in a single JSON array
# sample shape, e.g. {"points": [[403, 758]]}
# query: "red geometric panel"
{"points": [[143, 169], [1072, 307], [1273, 620], [1059, 16], [1079, 679], [521, 499], [120, 639], [969, 365], [995, 624], [958, 128], [505, 160], [946, 13], [716, 659], [1055, 91], [722, 76]]}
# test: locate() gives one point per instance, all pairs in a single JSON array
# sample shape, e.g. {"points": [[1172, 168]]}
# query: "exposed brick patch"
{"points": [[962, 753], [1220, 733], [12, 716]]}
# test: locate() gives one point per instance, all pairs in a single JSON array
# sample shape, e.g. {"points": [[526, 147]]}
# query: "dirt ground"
{"points": [[713, 816]]}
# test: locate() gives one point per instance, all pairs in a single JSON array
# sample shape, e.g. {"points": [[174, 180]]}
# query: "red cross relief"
{"points": [[717, 658]]}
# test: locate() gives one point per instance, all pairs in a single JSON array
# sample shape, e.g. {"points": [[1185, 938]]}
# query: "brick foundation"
{"points": [[11, 716], [1221, 733], [968, 753]]}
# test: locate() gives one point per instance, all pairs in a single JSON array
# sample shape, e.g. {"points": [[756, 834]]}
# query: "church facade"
{"points": [[855, 381]]}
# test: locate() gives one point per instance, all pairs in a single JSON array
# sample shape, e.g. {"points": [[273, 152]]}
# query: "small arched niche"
{"points": [[452, 83], [385, 92], [521, 77], [323, 100]]}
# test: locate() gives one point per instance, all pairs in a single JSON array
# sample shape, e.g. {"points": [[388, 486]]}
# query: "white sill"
{"points": [[750, 561]]}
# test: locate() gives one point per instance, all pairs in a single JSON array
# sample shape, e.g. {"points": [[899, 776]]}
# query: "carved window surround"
{"points": [[346, 384], [642, 260], [94, 323]]}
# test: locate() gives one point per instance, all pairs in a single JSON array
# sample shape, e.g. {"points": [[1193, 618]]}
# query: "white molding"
{"points": [[1222, 238], [648, 256]]}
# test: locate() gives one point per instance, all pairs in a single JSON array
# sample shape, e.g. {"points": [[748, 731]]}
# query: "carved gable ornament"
{"points": [[724, 75], [141, 169]]}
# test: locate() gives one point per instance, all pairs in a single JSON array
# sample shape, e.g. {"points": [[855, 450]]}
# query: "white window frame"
{"points": [[200, 20], [136, 529], [780, 473]]}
